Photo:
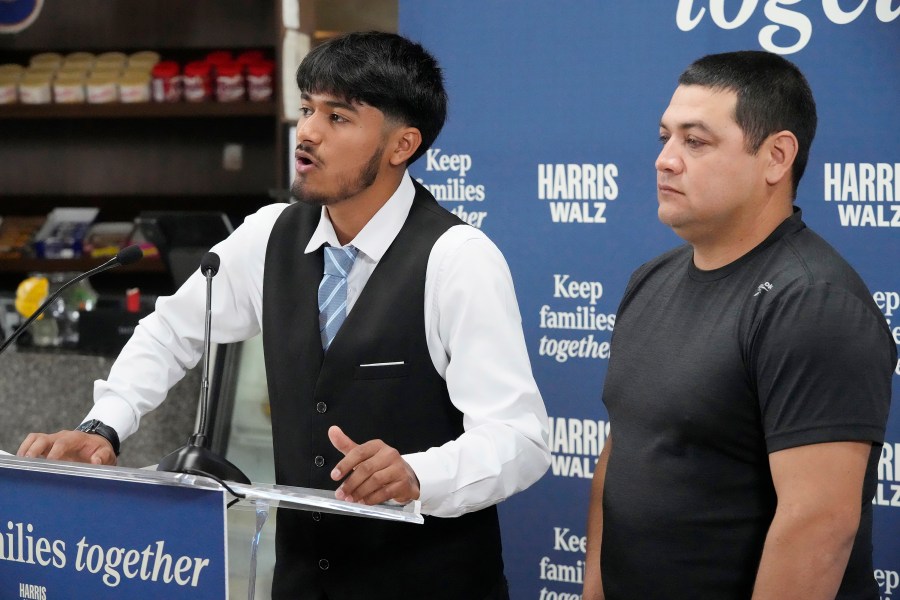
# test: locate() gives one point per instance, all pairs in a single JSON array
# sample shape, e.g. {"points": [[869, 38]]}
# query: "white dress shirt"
{"points": [[473, 331]]}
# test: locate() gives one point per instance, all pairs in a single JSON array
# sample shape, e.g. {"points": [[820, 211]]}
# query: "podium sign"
{"points": [[81, 531]]}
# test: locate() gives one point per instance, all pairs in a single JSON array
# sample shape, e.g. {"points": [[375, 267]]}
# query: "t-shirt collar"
{"points": [[790, 225]]}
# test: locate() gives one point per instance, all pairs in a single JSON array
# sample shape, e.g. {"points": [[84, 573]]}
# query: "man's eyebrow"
{"points": [[689, 125], [332, 103]]}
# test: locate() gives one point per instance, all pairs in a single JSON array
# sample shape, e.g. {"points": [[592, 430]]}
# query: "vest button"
{"points": [[321, 407], [316, 516], [320, 461], [323, 564]]}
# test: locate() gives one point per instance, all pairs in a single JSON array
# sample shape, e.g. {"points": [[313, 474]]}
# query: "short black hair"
{"points": [[384, 70], [772, 95]]}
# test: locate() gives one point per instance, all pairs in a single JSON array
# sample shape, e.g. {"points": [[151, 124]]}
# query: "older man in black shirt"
{"points": [[750, 375]]}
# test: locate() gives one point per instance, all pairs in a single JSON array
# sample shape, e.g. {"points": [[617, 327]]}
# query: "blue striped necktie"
{"points": [[333, 291]]}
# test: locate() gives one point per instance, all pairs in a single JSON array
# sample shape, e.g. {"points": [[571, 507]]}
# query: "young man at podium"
{"points": [[394, 352]]}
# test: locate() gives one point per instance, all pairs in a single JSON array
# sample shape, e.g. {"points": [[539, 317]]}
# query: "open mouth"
{"points": [[304, 163]]}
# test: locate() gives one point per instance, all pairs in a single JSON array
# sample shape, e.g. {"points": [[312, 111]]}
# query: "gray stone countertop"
{"points": [[49, 391]]}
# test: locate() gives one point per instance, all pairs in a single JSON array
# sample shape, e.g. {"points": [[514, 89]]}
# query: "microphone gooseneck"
{"points": [[126, 256], [209, 266], [195, 457]]}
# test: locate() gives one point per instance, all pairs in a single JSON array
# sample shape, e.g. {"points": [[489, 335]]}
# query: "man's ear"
{"points": [[404, 143], [781, 151]]}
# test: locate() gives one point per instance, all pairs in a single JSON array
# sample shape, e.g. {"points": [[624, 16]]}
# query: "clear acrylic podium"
{"points": [[256, 505]]}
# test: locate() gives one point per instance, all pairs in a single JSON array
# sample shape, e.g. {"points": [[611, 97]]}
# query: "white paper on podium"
{"points": [[275, 496], [324, 501]]}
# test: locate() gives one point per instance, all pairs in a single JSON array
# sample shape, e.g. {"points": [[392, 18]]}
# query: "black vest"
{"points": [[407, 406]]}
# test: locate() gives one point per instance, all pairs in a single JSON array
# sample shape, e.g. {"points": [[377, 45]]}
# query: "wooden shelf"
{"points": [[48, 265], [142, 110]]}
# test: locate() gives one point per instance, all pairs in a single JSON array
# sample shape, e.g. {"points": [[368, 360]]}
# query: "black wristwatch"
{"points": [[100, 428]]}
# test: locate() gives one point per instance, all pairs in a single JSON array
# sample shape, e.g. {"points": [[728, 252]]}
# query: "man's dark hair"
{"points": [[772, 95], [384, 70]]}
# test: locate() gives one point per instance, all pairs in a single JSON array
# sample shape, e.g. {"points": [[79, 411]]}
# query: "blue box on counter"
{"points": [[62, 234]]}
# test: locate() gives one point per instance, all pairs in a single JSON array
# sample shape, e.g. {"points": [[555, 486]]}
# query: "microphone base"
{"points": [[194, 459]]}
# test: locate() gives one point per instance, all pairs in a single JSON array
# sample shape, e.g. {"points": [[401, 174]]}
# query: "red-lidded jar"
{"points": [[197, 81], [166, 81], [229, 82], [259, 80], [249, 57], [218, 57]]}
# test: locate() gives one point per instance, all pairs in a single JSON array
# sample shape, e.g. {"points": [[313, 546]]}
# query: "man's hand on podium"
{"points": [[377, 472], [75, 446]]}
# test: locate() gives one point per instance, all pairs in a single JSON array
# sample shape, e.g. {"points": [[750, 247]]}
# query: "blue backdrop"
{"points": [[550, 147]]}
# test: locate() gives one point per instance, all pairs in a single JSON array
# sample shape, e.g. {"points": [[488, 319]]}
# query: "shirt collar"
{"points": [[379, 232]]}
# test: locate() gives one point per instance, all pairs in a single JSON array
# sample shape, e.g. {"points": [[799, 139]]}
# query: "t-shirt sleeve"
{"points": [[822, 362]]}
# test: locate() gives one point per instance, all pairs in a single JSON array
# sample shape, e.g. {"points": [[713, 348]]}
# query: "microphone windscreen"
{"points": [[129, 255], [210, 262]]}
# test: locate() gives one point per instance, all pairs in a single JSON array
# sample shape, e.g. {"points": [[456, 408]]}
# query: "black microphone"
{"points": [[125, 256], [195, 458], [210, 263]]}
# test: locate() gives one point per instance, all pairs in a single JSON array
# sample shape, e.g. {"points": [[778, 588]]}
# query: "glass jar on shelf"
{"points": [[58, 326]]}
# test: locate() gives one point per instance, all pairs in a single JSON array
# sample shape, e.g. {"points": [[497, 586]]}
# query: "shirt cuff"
{"points": [[112, 413], [434, 483]]}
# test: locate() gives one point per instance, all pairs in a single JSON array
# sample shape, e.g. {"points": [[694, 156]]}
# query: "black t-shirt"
{"points": [[710, 371]]}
